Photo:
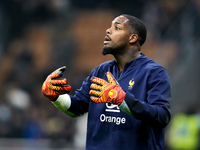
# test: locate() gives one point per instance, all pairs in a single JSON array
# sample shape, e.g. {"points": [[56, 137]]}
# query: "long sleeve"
{"points": [[155, 111]]}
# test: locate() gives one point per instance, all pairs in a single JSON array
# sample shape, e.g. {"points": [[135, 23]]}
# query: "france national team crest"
{"points": [[131, 83]]}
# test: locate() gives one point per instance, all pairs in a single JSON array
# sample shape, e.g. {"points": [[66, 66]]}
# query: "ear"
{"points": [[133, 38]]}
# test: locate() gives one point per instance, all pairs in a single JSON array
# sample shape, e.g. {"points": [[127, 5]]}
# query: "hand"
{"points": [[106, 92], [53, 87]]}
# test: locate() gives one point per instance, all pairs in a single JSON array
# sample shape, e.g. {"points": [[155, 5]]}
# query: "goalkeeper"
{"points": [[128, 99]]}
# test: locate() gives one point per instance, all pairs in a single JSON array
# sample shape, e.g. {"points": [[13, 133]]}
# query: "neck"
{"points": [[123, 59]]}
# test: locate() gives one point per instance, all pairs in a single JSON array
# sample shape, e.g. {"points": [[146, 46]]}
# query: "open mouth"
{"points": [[107, 39]]}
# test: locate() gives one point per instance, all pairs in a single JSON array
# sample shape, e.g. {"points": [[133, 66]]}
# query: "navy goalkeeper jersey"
{"points": [[148, 99]]}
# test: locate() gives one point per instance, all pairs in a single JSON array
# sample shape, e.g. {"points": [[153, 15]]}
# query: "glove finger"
{"points": [[95, 99], [61, 70], [62, 92], [66, 88], [58, 82], [57, 73], [95, 87], [98, 81], [111, 78], [95, 93], [60, 88]]}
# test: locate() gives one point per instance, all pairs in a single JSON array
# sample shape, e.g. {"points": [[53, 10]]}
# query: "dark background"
{"points": [[38, 36]]}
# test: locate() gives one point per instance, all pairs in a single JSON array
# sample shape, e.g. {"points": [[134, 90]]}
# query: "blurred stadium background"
{"points": [[38, 36]]}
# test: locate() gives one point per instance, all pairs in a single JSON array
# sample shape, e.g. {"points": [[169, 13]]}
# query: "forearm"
{"points": [[71, 105], [152, 114], [64, 103]]}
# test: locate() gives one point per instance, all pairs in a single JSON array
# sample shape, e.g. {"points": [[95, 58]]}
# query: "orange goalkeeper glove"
{"points": [[106, 92], [53, 87]]}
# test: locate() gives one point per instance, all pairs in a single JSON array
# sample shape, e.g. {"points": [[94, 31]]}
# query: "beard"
{"points": [[113, 51], [107, 50]]}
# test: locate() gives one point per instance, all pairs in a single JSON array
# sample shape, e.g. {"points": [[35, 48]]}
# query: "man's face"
{"points": [[117, 37]]}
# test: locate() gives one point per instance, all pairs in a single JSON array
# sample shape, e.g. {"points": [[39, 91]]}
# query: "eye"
{"points": [[117, 28]]}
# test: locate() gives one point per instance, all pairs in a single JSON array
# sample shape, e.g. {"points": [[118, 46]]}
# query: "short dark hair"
{"points": [[137, 26]]}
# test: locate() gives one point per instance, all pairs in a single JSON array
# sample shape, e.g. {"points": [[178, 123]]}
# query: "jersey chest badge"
{"points": [[131, 83]]}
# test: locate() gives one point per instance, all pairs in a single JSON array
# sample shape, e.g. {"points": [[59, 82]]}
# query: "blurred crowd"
{"points": [[36, 38], [184, 130]]}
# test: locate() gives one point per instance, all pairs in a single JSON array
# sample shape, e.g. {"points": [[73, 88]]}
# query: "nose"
{"points": [[108, 31]]}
